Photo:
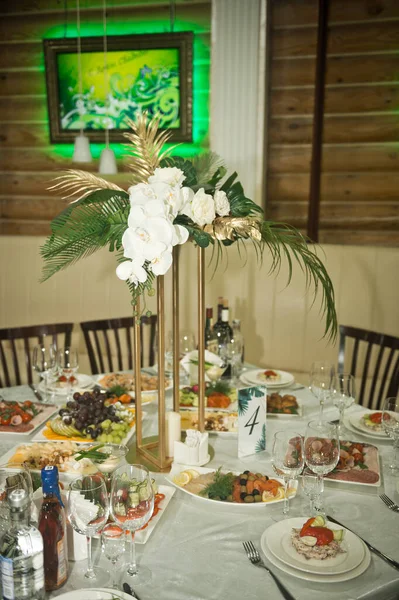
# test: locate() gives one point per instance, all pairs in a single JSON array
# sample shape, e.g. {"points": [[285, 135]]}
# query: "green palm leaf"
{"points": [[261, 443], [244, 396]]}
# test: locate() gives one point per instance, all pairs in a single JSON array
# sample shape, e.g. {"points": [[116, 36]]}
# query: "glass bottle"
{"points": [[223, 332], [52, 526], [236, 327], [21, 553], [210, 339]]}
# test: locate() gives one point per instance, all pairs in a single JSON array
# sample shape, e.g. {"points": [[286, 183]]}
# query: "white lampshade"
{"points": [[108, 162], [81, 151]]}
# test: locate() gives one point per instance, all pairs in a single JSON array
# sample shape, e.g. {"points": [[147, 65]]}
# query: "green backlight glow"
{"points": [[201, 81]]}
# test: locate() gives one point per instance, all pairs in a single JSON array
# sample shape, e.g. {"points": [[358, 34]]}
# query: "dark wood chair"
{"points": [[109, 343], [13, 352], [374, 359]]}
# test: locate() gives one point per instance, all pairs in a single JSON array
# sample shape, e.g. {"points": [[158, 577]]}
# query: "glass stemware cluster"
{"points": [[390, 424], [287, 459], [321, 381]]}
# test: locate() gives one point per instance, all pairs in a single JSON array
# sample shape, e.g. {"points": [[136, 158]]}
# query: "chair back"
{"points": [[16, 344], [109, 343], [373, 359]]}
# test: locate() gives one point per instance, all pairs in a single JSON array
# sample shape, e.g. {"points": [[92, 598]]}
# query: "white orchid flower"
{"points": [[132, 270], [148, 238], [170, 175], [141, 194], [180, 235], [162, 263], [187, 195]]}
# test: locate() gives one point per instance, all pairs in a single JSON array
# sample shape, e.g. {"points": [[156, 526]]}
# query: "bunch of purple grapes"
{"points": [[87, 411]]}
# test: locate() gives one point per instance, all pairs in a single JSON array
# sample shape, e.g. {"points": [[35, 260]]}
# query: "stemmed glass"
{"points": [[287, 459], [320, 381], [231, 352], [132, 505], [390, 424], [68, 363], [312, 487], [113, 543], [343, 396], [88, 510], [321, 449], [44, 362]]}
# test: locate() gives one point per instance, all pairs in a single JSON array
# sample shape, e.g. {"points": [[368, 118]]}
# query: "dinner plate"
{"points": [[84, 382], [356, 421], [95, 594], [177, 468], [254, 378], [225, 419], [147, 396], [278, 540], [141, 537], [46, 411], [313, 576]]}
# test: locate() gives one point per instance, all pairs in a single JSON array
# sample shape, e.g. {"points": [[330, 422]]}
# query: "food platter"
{"points": [[283, 406], [219, 396], [142, 536], [359, 464], [178, 468], [46, 435], [257, 377], [125, 379], [45, 411], [84, 382], [224, 423], [357, 422]]}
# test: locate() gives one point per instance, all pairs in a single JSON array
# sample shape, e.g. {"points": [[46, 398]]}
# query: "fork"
{"points": [[255, 559], [389, 503]]}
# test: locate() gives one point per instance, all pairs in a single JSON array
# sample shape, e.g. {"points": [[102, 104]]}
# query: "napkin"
{"points": [[194, 450], [189, 362]]}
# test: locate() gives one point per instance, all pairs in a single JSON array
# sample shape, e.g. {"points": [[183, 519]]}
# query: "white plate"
{"points": [[94, 594], [176, 469], [84, 382], [146, 396], [40, 437], [141, 537], [234, 415], [356, 420], [278, 540], [312, 576], [48, 411], [252, 377]]}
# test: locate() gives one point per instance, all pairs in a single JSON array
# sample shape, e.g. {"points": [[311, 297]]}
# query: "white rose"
{"points": [[170, 175], [222, 203], [203, 208], [187, 195]]}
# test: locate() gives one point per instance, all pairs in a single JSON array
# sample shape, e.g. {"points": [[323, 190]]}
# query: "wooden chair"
{"points": [[13, 352], [109, 342], [378, 367]]}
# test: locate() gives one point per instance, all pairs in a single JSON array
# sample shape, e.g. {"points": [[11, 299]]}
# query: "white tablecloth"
{"points": [[196, 553]]}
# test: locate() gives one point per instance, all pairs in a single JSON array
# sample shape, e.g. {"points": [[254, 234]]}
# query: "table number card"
{"points": [[251, 420]]}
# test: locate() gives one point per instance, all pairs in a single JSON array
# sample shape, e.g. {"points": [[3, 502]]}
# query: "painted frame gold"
{"points": [[183, 41]]}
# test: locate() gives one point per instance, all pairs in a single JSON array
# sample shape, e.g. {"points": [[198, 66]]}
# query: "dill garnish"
{"points": [[221, 486]]}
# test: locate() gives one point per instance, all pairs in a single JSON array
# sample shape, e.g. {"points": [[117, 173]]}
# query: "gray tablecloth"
{"points": [[195, 552]]}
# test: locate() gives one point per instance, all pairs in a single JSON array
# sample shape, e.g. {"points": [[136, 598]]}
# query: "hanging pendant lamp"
{"points": [[81, 150], [108, 164]]}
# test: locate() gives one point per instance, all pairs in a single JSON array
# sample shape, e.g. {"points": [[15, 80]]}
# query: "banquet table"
{"points": [[195, 552]]}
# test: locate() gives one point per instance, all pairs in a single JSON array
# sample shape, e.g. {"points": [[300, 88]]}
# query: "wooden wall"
{"points": [[359, 201], [27, 161]]}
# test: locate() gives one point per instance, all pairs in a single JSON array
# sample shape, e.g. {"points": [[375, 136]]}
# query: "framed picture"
{"points": [[144, 72]]}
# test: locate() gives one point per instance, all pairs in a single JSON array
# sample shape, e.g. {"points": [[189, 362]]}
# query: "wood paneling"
{"points": [[22, 6], [23, 55], [37, 183], [356, 237], [31, 208], [24, 227]]}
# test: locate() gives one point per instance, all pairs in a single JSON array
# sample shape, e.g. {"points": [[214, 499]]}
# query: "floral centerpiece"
{"points": [[171, 201]]}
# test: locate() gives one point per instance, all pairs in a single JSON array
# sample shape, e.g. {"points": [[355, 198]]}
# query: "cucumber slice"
{"points": [[319, 521], [134, 498], [339, 534]]}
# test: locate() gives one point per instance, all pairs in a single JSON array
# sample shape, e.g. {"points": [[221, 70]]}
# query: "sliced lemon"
{"points": [[182, 479], [192, 472]]}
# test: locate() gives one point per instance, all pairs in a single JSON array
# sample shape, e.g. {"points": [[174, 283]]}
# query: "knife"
{"points": [[389, 560], [36, 392], [128, 590]]}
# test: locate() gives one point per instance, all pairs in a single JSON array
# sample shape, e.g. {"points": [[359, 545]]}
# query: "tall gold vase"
{"points": [[153, 451]]}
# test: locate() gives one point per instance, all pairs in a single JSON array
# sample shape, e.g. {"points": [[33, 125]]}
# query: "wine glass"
{"points": [[312, 487], [231, 352], [88, 510], [68, 363], [320, 381], [287, 459], [112, 460], [44, 362], [132, 505], [113, 544], [343, 396], [390, 424], [321, 448]]}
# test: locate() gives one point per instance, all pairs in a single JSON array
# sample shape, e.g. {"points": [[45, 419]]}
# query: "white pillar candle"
{"points": [[173, 431]]}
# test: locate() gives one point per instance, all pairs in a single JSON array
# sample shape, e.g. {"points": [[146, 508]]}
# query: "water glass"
{"points": [[88, 510], [44, 363], [67, 360], [390, 424], [113, 545], [343, 396], [312, 487], [132, 505], [287, 459], [321, 448], [231, 352], [320, 382]]}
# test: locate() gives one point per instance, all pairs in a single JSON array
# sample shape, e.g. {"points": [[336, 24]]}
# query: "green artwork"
{"points": [[138, 80]]}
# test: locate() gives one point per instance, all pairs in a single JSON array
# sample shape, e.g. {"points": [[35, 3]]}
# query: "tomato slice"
{"points": [[323, 535], [306, 526], [376, 417]]}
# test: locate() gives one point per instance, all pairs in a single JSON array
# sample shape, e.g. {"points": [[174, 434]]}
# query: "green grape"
{"points": [[102, 437], [109, 438]]}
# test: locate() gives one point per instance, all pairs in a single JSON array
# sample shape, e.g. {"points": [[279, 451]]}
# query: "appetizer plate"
{"points": [[176, 469], [46, 411], [282, 415], [356, 420], [147, 396], [95, 594], [141, 537], [313, 576], [367, 473], [226, 419], [41, 437], [278, 540], [254, 377], [84, 382]]}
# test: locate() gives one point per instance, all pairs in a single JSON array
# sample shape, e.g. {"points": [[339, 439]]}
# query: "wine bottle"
{"points": [[211, 343], [236, 326], [52, 526], [223, 332]]}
